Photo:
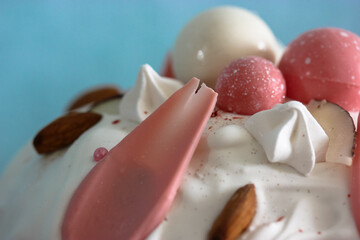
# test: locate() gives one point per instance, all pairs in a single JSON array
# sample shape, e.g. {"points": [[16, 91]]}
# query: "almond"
{"points": [[94, 96], [64, 131], [236, 215], [108, 106]]}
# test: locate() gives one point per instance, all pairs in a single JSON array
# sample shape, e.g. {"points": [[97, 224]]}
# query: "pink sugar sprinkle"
{"points": [[100, 153]]}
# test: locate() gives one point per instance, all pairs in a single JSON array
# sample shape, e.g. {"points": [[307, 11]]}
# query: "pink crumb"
{"points": [[100, 153]]}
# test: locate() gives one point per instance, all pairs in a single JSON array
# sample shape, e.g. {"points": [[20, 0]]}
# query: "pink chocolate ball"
{"points": [[324, 63], [249, 85]]}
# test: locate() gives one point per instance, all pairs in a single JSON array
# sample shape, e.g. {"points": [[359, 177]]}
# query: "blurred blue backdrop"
{"points": [[52, 50]]}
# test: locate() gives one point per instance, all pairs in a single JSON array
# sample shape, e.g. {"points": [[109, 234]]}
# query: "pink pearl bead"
{"points": [[100, 153]]}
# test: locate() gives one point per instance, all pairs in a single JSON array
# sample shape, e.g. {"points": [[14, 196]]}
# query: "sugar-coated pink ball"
{"points": [[249, 85], [324, 63]]}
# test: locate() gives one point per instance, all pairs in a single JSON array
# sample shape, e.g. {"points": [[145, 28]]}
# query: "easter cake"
{"points": [[262, 149]]}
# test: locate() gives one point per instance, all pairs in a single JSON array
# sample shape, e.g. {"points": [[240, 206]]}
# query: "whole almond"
{"points": [[64, 131], [94, 96], [236, 215], [108, 106]]}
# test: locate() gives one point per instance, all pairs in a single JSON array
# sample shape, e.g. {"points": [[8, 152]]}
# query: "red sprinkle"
{"points": [[145, 112], [280, 219], [116, 121], [349, 195], [300, 230], [100, 153], [237, 117], [319, 233]]}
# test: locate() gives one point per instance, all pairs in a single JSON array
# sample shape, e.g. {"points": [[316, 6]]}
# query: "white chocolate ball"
{"points": [[218, 36]]}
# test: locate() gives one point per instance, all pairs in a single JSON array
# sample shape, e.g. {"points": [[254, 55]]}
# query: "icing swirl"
{"points": [[149, 92], [290, 134]]}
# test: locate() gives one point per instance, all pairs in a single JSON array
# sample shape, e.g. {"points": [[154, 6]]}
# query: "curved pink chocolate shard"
{"points": [[355, 183], [128, 194]]}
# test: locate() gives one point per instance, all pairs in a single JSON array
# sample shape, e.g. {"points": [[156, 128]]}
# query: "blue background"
{"points": [[52, 50]]}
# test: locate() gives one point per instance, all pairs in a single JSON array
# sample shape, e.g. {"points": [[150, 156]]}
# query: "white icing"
{"points": [[227, 136], [149, 92], [281, 192], [289, 134], [35, 190]]}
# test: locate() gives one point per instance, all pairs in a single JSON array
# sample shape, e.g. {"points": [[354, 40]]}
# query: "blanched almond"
{"points": [[340, 128], [94, 96]]}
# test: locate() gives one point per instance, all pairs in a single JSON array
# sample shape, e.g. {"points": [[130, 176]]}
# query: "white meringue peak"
{"points": [[149, 92], [290, 134]]}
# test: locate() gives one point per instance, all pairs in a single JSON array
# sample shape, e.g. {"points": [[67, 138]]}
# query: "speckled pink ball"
{"points": [[249, 85], [324, 63]]}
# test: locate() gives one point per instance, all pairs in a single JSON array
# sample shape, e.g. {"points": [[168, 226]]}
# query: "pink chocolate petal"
{"points": [[355, 184], [129, 192]]}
